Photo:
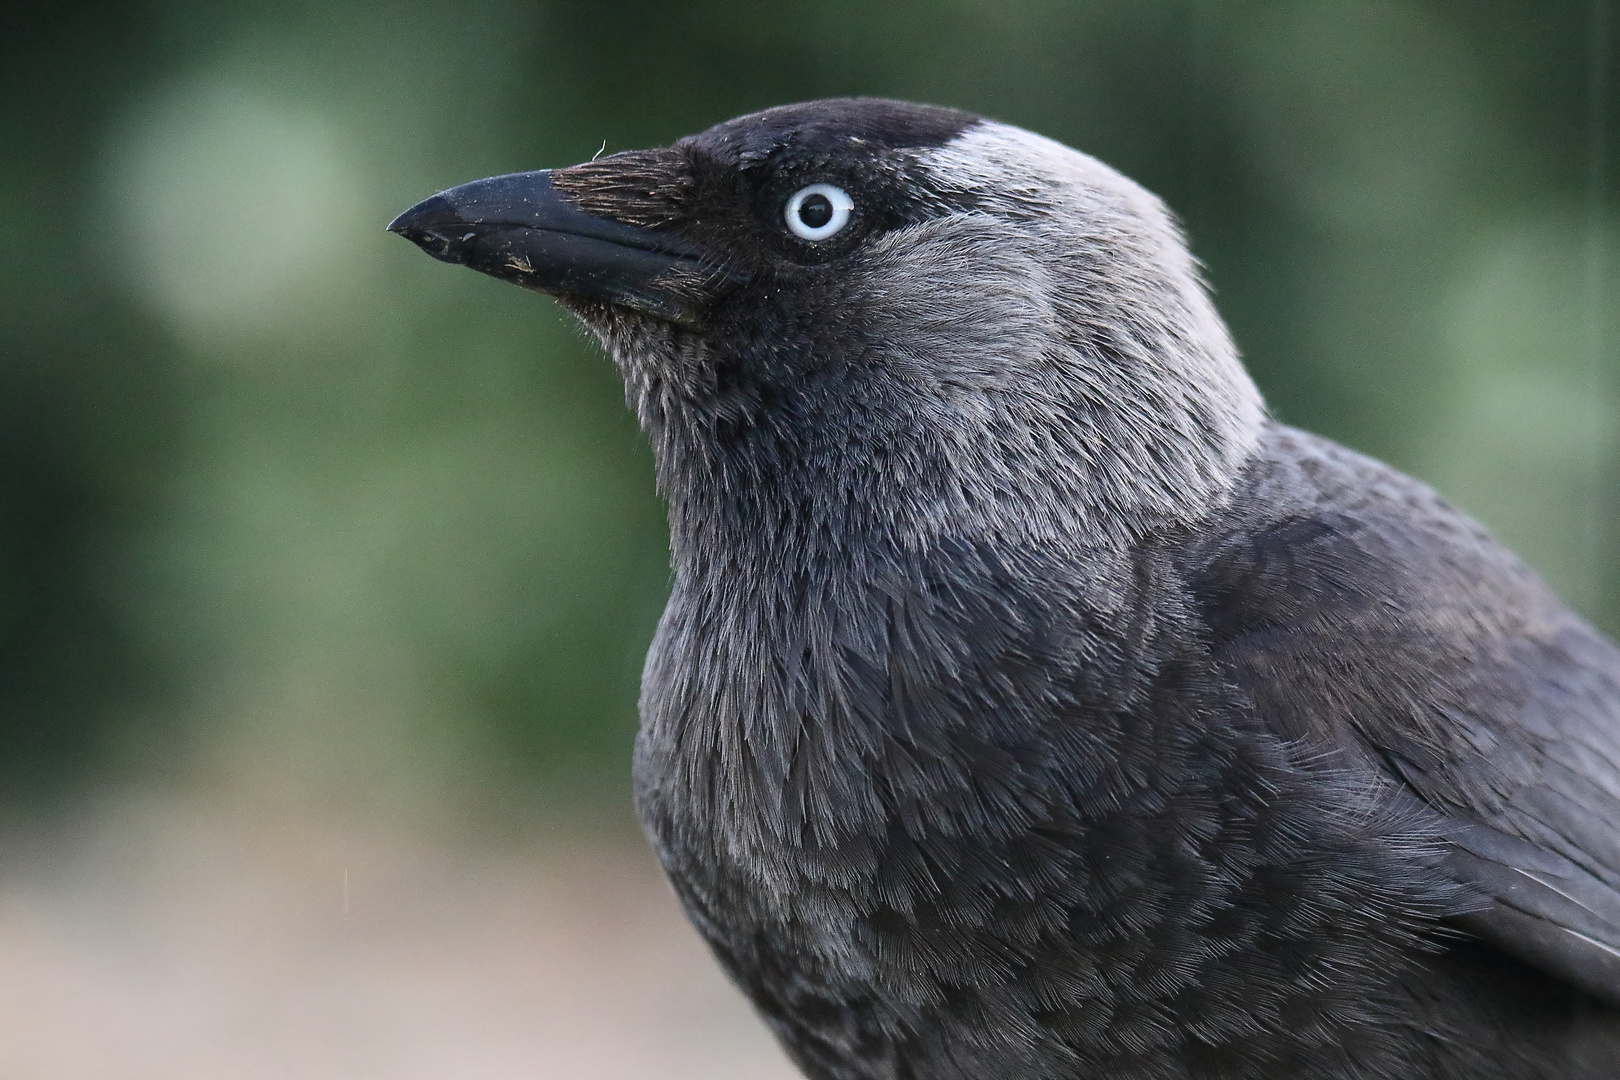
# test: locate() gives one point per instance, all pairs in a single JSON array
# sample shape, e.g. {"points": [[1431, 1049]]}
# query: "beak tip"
{"points": [[435, 226], [433, 214]]}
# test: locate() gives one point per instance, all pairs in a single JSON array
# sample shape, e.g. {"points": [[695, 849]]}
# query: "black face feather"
{"points": [[727, 187], [829, 127]]}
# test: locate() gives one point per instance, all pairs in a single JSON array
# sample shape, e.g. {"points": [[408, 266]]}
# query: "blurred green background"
{"points": [[283, 501]]}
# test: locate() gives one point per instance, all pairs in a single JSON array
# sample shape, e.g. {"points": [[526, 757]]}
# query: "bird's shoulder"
{"points": [[1362, 614]]}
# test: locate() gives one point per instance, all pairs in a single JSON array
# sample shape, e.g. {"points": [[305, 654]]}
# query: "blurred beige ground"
{"points": [[168, 939]]}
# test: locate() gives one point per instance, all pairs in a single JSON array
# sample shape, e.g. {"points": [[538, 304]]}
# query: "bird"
{"points": [[1030, 703]]}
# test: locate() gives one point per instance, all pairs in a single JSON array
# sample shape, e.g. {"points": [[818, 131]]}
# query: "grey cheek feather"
{"points": [[1056, 354], [1068, 321]]}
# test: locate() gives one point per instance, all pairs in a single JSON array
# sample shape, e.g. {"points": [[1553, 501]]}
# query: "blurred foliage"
{"points": [[275, 487]]}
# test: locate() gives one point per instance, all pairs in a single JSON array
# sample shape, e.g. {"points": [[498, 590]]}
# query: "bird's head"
{"points": [[868, 314]]}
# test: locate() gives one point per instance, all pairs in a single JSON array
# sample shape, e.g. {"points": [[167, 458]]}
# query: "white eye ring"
{"points": [[841, 204]]}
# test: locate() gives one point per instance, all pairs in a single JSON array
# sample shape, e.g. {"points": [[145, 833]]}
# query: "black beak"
{"points": [[521, 229]]}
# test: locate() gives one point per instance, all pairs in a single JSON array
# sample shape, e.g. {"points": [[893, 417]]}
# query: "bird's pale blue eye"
{"points": [[818, 211]]}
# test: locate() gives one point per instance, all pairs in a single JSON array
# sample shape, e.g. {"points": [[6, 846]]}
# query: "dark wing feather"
{"points": [[1361, 613]]}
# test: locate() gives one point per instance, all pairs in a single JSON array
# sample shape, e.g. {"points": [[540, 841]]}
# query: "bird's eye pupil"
{"points": [[816, 211]]}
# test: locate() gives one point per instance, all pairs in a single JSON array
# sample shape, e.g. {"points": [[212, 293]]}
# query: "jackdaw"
{"points": [[1029, 704]]}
